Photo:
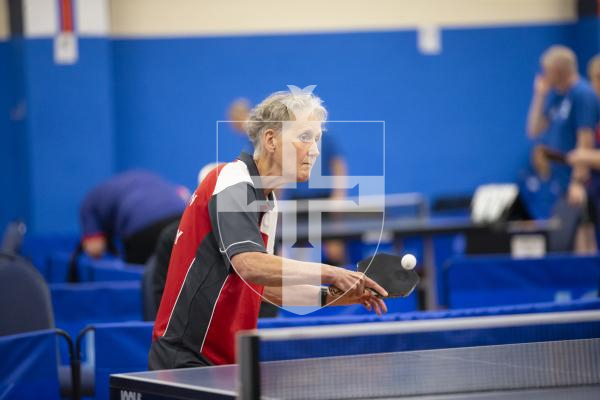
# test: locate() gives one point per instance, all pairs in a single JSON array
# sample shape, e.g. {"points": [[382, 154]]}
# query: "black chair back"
{"points": [[25, 303]]}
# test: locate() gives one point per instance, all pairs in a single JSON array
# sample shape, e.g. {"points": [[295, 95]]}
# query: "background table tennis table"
{"points": [[425, 227]]}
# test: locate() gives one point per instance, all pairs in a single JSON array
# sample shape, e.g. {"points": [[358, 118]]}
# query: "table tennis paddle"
{"points": [[387, 271]]}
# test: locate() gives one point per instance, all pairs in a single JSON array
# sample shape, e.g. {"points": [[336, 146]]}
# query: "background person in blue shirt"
{"points": [[591, 158], [238, 114], [594, 74], [563, 115], [132, 207]]}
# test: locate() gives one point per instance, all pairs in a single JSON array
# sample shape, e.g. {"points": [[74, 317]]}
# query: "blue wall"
{"points": [[587, 40], [453, 121], [70, 130], [14, 177], [64, 138]]}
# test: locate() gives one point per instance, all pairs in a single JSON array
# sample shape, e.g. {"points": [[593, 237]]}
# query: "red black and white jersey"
{"points": [[205, 302]]}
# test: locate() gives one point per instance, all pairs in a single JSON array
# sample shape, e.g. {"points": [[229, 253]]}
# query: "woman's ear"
{"points": [[270, 141]]}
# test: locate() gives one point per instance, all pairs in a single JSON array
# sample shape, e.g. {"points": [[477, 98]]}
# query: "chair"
{"points": [[80, 304], [21, 280]]}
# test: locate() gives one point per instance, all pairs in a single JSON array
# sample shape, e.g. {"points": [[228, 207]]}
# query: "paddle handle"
{"points": [[335, 291]]}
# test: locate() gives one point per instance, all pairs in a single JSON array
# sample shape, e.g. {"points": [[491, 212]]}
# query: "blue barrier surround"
{"points": [[123, 347], [100, 271], [393, 337], [576, 305], [493, 281]]}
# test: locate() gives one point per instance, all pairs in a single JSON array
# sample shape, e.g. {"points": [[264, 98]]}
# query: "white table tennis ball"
{"points": [[409, 261]]}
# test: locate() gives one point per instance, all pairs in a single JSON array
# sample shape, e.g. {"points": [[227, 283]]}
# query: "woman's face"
{"points": [[299, 144]]}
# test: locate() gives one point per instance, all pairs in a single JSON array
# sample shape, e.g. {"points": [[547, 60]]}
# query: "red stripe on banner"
{"points": [[66, 15]]}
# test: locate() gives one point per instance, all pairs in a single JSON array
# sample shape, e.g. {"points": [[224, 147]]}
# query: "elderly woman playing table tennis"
{"points": [[222, 265]]}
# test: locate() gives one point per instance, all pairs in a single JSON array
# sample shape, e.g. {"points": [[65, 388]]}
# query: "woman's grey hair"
{"points": [[281, 106]]}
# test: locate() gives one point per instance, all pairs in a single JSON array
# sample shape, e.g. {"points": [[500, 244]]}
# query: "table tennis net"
{"points": [[388, 360]]}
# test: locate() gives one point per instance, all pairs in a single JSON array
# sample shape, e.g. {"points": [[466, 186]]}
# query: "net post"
{"points": [[248, 365]]}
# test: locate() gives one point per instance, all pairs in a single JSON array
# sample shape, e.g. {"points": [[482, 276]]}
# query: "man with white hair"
{"points": [[222, 264], [563, 109]]}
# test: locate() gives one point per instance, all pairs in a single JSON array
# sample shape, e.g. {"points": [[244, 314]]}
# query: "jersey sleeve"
{"points": [[234, 215], [586, 111]]}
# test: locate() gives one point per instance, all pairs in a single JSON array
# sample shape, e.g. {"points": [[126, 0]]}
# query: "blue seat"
{"points": [[112, 270], [25, 306], [79, 304], [38, 249], [108, 268]]}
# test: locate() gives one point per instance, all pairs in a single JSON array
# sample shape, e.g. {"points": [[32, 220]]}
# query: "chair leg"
{"points": [[77, 361], [72, 358]]}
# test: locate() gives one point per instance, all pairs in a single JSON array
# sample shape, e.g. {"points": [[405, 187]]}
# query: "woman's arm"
{"points": [[584, 157], [309, 295], [269, 270]]}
